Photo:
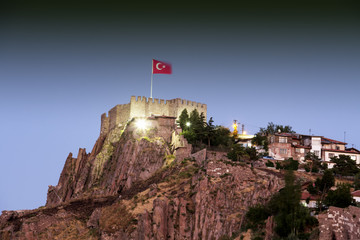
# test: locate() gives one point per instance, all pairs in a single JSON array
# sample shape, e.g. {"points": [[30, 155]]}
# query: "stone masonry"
{"points": [[146, 107], [340, 224]]}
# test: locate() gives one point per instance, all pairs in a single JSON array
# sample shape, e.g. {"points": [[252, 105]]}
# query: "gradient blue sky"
{"points": [[62, 66]]}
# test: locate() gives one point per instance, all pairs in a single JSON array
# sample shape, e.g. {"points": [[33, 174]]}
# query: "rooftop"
{"points": [[331, 141], [342, 151], [356, 193], [305, 195]]}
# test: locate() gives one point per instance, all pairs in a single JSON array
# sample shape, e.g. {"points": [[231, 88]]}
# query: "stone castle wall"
{"points": [[146, 107]]}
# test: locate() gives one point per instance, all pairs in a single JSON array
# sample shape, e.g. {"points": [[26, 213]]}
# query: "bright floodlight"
{"points": [[141, 124], [188, 124]]}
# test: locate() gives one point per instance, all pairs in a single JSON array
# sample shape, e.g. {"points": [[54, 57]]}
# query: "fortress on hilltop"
{"points": [[146, 107]]}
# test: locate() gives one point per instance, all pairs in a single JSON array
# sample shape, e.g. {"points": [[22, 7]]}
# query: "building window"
{"points": [[282, 140], [337, 148], [353, 157], [299, 150], [283, 150], [272, 139], [317, 153], [331, 155]]}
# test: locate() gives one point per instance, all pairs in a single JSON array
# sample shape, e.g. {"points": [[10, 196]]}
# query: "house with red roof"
{"points": [[356, 195], [309, 200], [293, 145], [332, 148], [288, 145]]}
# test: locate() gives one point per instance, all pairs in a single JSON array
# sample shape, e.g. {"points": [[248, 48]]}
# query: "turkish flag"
{"points": [[161, 67]]}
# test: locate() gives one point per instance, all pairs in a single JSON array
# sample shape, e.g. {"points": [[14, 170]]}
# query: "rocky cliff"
{"points": [[340, 223], [144, 184], [125, 155]]}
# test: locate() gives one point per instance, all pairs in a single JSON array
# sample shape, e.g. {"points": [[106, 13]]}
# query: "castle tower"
{"points": [[146, 107]]}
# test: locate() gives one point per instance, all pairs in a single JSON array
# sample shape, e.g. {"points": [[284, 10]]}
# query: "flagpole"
{"points": [[152, 67]]}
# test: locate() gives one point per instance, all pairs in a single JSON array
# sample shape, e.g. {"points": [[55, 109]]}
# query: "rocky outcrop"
{"points": [[205, 201], [64, 221], [340, 223], [145, 184], [269, 228], [120, 158], [183, 200]]}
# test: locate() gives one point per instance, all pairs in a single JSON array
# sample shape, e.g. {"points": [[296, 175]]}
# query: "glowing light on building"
{"points": [[141, 124]]}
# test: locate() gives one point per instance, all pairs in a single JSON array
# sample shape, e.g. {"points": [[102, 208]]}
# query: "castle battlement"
{"points": [[146, 107]]}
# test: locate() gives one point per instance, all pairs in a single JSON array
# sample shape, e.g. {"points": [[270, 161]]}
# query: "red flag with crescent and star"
{"points": [[161, 67]]}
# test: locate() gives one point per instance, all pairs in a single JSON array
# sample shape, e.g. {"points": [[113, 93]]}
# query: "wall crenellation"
{"points": [[146, 107]]}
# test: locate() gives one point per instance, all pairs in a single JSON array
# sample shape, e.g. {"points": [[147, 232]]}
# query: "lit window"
{"points": [[282, 140], [353, 157], [283, 150]]}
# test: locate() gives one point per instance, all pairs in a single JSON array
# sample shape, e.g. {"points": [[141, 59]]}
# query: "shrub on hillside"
{"points": [[269, 164]]}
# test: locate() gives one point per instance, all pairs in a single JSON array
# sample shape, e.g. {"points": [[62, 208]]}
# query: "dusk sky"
{"points": [[63, 64]]}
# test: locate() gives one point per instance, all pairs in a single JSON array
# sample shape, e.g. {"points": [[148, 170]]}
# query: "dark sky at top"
{"points": [[63, 64]]}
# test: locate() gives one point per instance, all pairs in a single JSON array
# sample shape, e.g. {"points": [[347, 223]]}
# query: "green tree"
{"points": [[278, 165], [269, 163], [222, 137], [327, 181], [190, 136], [291, 164], [324, 166], [315, 165], [183, 119], [195, 117], [240, 153], [322, 186], [200, 133], [274, 128], [261, 140], [270, 129], [291, 217], [256, 216], [195, 131], [209, 132], [252, 153], [341, 197], [344, 166], [311, 156], [357, 181]]}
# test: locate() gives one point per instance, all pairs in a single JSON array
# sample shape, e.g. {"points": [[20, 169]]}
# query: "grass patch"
{"points": [[116, 217]]}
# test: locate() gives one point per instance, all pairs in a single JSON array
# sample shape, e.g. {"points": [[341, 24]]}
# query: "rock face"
{"points": [[340, 224], [119, 159], [144, 184]]}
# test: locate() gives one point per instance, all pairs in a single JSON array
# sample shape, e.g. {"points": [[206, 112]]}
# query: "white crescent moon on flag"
{"points": [[157, 66]]}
